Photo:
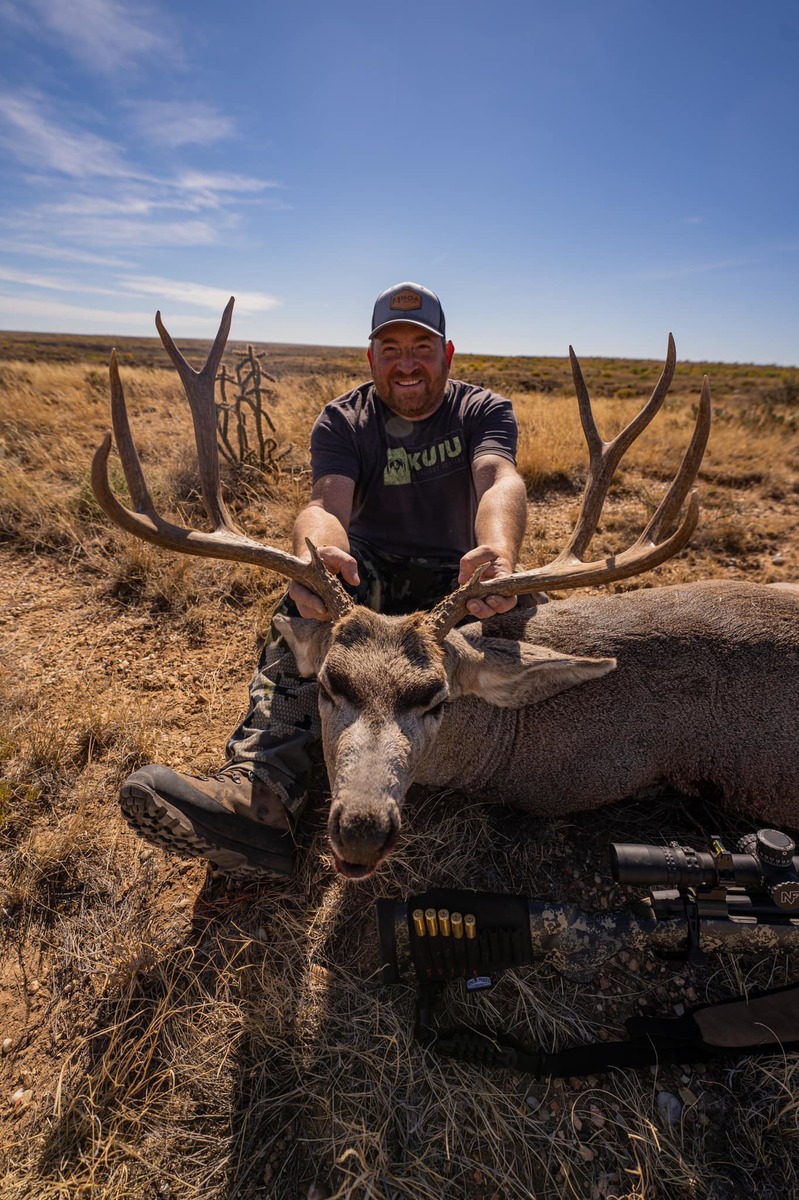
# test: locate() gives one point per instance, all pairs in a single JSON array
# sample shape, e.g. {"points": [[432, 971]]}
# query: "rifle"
{"points": [[711, 899]]}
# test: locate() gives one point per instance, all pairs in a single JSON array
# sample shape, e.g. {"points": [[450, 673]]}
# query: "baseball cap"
{"points": [[411, 304]]}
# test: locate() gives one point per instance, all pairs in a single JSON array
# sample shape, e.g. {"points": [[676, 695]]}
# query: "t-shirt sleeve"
{"points": [[333, 447], [494, 429]]}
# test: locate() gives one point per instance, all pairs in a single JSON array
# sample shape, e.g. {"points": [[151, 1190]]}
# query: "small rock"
{"points": [[7, 1044], [679, 1009], [146, 855], [587, 1154], [669, 1107], [533, 1101], [22, 1097], [687, 1096], [34, 986], [260, 934], [778, 559]]}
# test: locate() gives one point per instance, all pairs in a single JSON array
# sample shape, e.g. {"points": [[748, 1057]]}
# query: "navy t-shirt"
{"points": [[414, 494]]}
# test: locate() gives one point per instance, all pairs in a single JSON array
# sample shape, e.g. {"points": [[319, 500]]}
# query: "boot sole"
{"points": [[161, 823]]}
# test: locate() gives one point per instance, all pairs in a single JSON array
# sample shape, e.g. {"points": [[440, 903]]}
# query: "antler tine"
{"points": [[226, 541], [568, 570], [669, 507], [199, 389], [328, 586], [128, 454], [604, 457]]}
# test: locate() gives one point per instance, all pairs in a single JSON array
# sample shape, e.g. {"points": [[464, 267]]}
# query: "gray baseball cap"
{"points": [[411, 304]]}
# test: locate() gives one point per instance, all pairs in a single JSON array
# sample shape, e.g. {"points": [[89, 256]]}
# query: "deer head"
{"points": [[384, 681]]}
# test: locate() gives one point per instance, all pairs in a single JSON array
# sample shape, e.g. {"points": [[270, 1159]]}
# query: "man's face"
{"points": [[410, 368]]}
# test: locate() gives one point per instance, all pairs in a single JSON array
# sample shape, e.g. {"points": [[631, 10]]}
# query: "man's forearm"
{"points": [[502, 516], [320, 526]]}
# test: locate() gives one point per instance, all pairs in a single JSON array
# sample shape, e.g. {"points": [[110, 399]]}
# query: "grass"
{"points": [[181, 1041]]}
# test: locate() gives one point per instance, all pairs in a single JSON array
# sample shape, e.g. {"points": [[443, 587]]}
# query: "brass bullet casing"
{"points": [[418, 923], [431, 921], [470, 925], [456, 921], [443, 922]]}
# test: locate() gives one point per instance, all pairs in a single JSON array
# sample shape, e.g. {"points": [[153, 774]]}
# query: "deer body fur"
{"points": [[704, 698]]}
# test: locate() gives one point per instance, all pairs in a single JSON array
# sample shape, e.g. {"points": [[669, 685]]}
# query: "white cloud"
{"points": [[41, 143], [99, 231], [197, 293], [105, 35], [26, 249], [209, 181], [16, 305], [174, 123], [48, 283], [20, 312]]}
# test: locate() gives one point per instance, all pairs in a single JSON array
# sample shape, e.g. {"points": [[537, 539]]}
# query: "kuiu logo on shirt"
{"points": [[400, 464]]}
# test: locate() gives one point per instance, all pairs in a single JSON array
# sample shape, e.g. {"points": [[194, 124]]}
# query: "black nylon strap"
{"points": [[483, 1048], [652, 1040]]}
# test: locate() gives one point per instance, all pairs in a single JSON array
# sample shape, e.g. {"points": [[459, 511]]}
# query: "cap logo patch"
{"points": [[405, 301]]}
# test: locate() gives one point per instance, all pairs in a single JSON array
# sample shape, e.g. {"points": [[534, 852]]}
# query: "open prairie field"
{"points": [[164, 1037]]}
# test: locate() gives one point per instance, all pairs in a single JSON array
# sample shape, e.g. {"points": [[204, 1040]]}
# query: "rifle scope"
{"points": [[765, 860]]}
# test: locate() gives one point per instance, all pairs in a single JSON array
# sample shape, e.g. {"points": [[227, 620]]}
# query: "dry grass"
{"points": [[179, 1041]]}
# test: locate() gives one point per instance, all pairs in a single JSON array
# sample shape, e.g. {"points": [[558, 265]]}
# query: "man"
{"points": [[414, 488]]}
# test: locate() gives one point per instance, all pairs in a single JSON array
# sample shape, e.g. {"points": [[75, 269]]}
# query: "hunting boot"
{"points": [[239, 823]]}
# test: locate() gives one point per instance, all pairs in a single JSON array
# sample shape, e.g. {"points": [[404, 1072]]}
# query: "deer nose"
{"points": [[362, 836]]}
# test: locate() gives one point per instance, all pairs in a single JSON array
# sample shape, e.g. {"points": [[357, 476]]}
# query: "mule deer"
{"points": [[578, 703]]}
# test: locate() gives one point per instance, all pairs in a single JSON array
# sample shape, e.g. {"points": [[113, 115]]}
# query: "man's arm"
{"points": [[498, 528], [325, 520]]}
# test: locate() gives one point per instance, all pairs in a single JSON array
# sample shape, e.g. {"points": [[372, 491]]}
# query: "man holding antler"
{"points": [[414, 488]]}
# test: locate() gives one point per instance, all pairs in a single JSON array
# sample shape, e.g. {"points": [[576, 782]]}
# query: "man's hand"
{"points": [[338, 562], [498, 564]]}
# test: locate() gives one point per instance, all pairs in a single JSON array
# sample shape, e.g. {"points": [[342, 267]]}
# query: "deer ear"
{"points": [[511, 674], [308, 641]]}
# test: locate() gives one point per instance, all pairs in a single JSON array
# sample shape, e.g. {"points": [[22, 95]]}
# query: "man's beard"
{"points": [[418, 401]]}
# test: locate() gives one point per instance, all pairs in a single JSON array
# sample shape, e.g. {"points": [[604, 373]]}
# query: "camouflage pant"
{"points": [[282, 726]]}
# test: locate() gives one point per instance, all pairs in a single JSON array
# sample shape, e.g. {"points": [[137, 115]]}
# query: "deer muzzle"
{"points": [[369, 778], [361, 838]]}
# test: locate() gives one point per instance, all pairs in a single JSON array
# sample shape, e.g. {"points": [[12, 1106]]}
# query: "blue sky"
{"points": [[589, 171]]}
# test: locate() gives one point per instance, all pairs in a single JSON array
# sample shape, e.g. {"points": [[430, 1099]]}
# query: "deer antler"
{"points": [[226, 541], [568, 569]]}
